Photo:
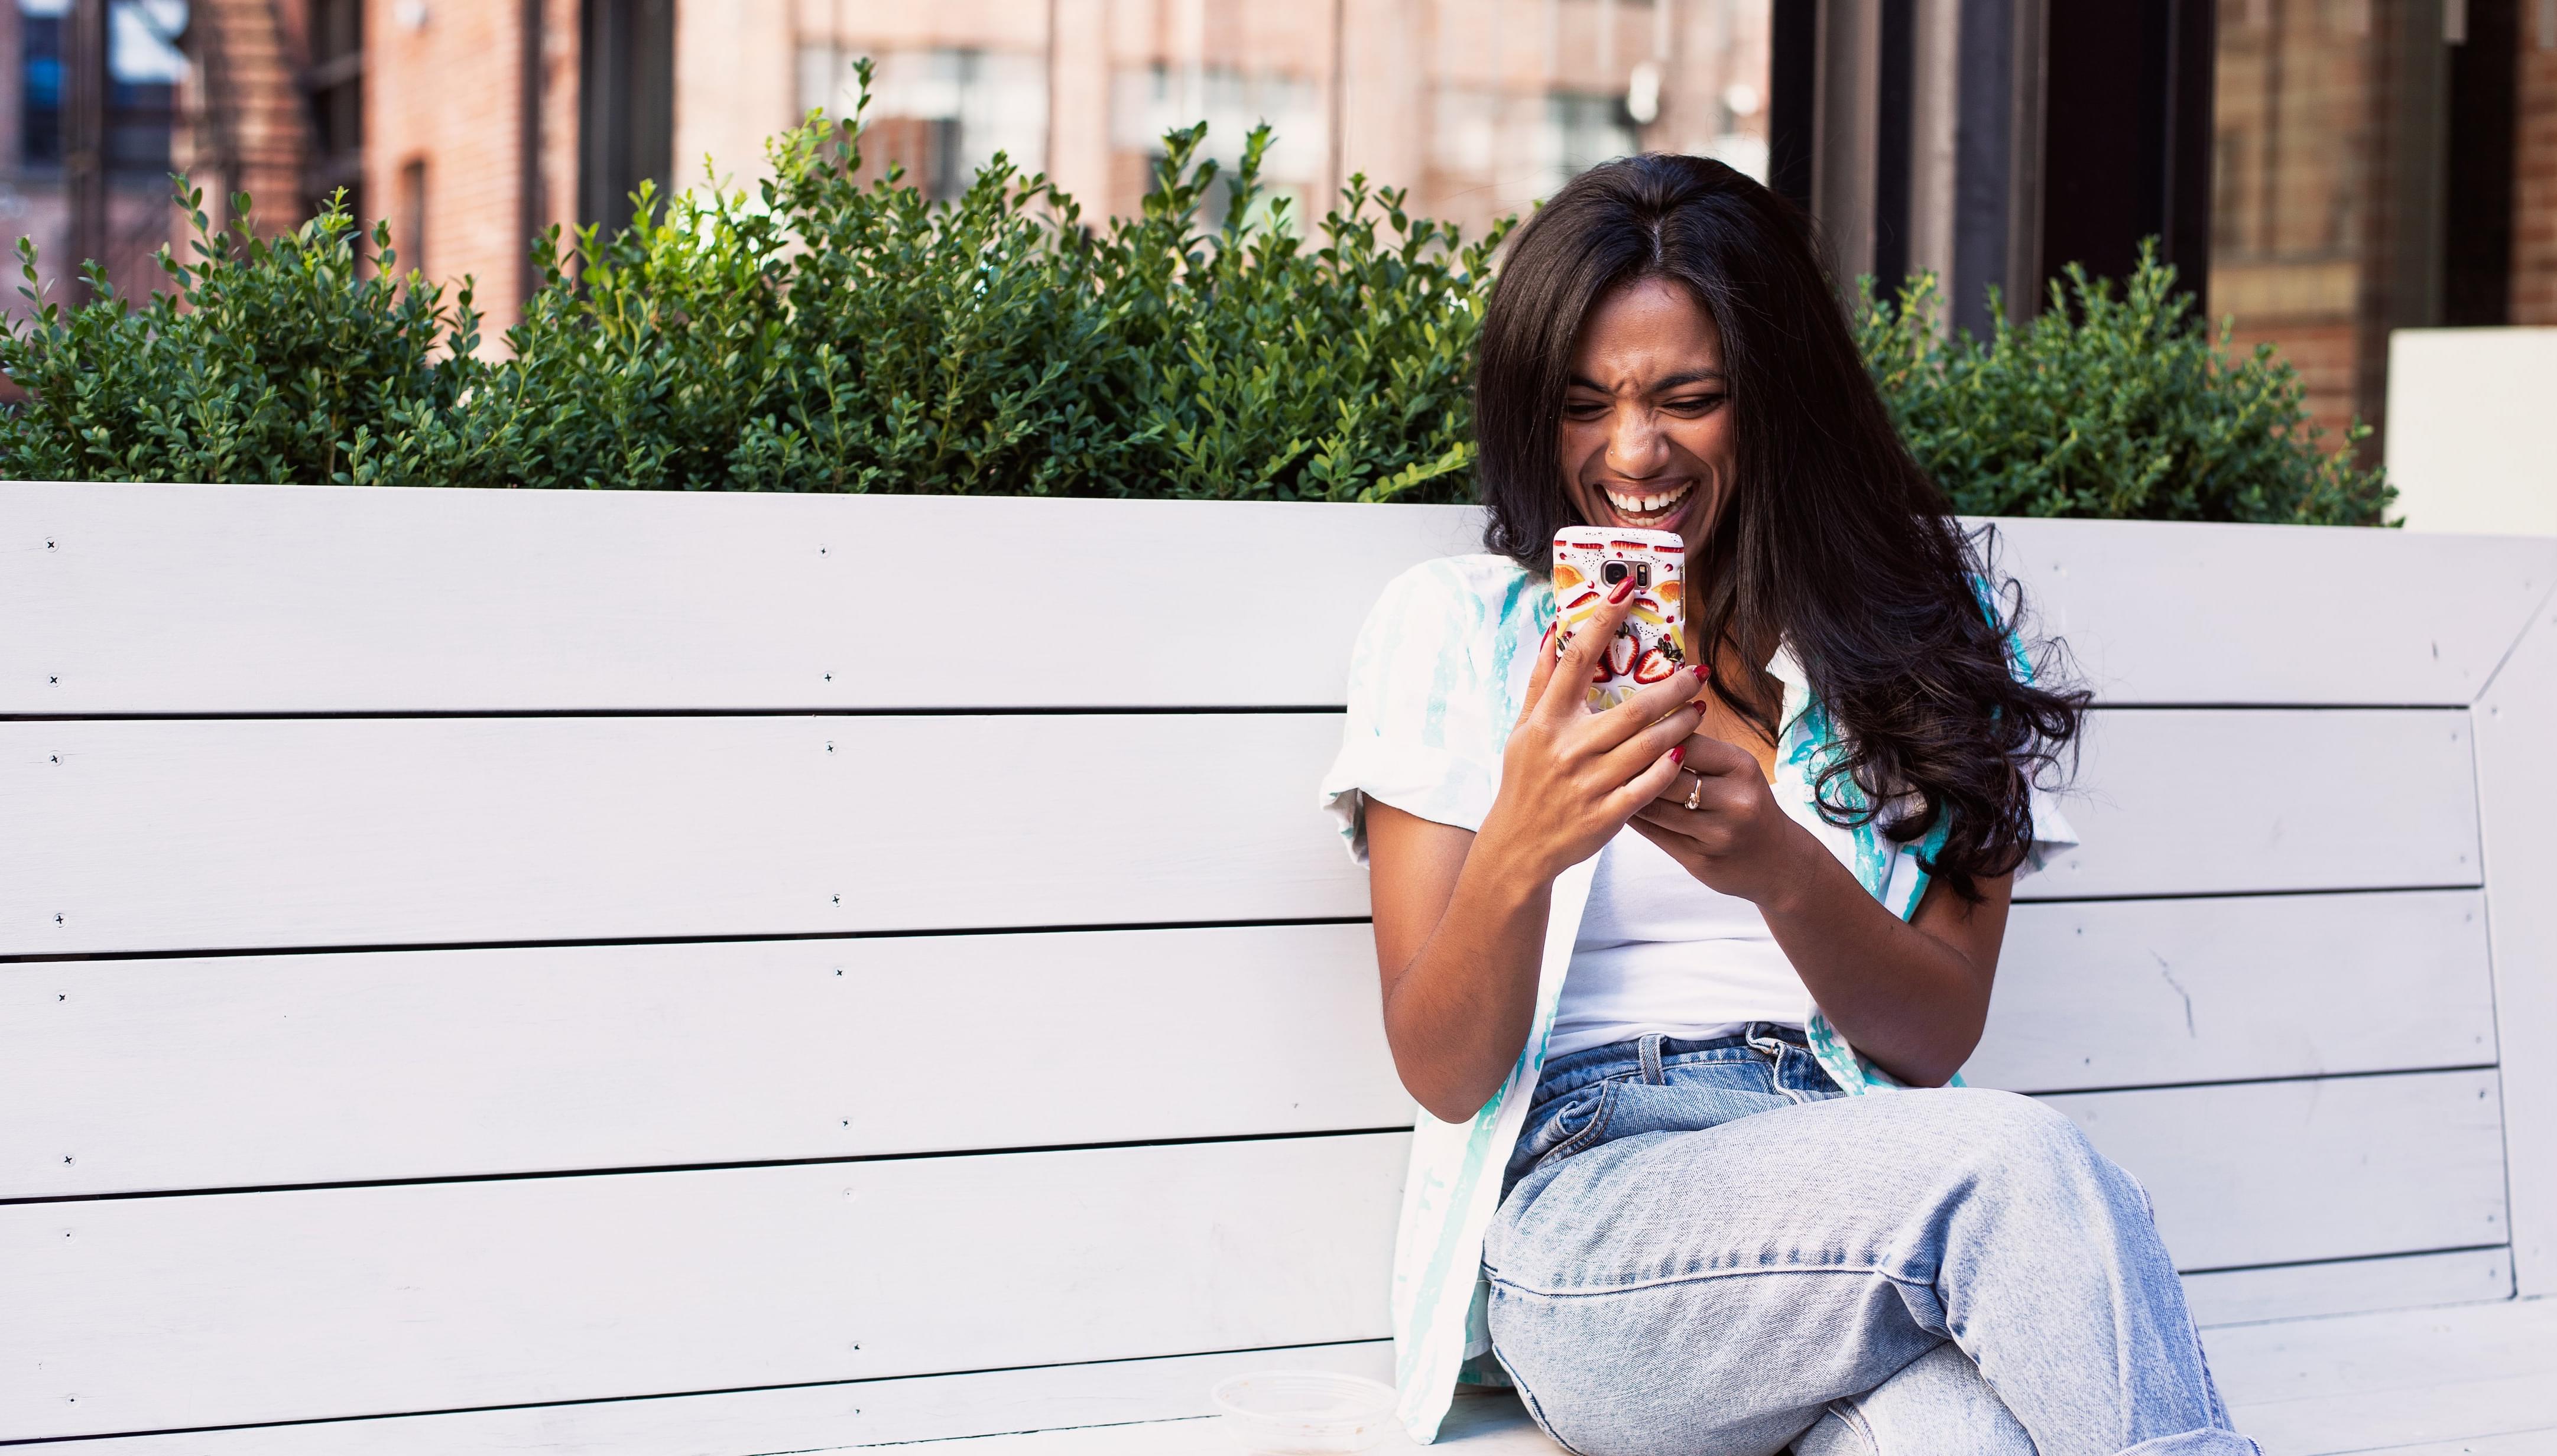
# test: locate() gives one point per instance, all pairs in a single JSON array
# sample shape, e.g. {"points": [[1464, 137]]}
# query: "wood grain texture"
{"points": [[254, 833], [808, 1418], [257, 1071], [196, 598], [2334, 799], [2517, 727], [2282, 1172], [2348, 1286], [229, 1308], [2147, 992]]}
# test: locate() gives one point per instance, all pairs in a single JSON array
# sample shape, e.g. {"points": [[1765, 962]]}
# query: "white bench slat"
{"points": [[221, 1309], [362, 832], [2348, 1286], [2148, 993], [197, 598], [257, 1071], [2516, 726], [2180, 802], [804, 1418], [256, 834], [2340, 1167], [2396, 1382]]}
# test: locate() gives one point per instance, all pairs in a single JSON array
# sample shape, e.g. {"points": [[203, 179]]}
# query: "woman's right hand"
{"points": [[1571, 778]]}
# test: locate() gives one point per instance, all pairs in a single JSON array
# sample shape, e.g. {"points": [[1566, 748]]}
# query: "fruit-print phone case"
{"points": [[1588, 564]]}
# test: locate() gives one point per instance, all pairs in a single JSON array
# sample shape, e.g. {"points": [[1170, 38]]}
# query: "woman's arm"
{"points": [[1461, 916], [1912, 996]]}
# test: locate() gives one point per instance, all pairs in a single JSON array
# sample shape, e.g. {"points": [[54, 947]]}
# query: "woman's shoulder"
{"points": [[1458, 592]]}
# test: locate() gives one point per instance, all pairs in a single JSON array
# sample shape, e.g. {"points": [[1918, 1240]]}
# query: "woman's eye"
{"points": [[1582, 410], [1695, 403]]}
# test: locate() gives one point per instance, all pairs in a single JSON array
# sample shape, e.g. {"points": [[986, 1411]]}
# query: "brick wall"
{"points": [[447, 94], [2534, 191]]}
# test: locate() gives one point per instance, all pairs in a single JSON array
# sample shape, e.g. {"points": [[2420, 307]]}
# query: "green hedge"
{"points": [[826, 334]]}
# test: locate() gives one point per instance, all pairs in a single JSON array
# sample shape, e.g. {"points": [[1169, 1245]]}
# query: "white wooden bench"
{"points": [[607, 972]]}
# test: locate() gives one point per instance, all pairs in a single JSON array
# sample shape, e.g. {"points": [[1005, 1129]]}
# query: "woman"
{"points": [[1656, 975]]}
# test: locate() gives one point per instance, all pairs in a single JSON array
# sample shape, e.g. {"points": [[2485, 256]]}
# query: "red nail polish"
{"points": [[1678, 753], [1699, 669], [1624, 589]]}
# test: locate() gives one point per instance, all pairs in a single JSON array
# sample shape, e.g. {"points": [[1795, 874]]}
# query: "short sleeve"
{"points": [[1418, 734]]}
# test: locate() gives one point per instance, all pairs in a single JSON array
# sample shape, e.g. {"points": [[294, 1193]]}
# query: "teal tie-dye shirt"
{"points": [[1435, 683]]}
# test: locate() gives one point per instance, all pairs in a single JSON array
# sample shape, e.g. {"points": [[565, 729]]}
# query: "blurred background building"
{"points": [[2321, 172]]}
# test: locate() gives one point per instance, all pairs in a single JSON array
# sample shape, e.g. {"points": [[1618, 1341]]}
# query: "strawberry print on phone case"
{"points": [[1589, 564]]}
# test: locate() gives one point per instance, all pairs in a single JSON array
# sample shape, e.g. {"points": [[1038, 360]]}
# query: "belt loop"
{"points": [[1652, 1059]]}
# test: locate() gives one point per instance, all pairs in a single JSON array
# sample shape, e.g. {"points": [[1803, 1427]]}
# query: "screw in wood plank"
{"points": [[839, 899], [58, 919], [53, 677]]}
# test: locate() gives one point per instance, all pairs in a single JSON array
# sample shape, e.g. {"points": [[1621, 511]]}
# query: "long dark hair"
{"points": [[1831, 538]]}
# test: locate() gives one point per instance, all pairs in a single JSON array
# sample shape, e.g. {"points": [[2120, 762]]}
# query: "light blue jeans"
{"points": [[1704, 1248]]}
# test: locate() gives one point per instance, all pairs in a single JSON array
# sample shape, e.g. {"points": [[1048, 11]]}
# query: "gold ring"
{"points": [[1696, 796]]}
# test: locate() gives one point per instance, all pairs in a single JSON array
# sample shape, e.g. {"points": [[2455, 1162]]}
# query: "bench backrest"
{"points": [[627, 969]]}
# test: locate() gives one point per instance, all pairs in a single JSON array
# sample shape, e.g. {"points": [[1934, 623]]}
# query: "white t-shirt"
{"points": [[1660, 951]]}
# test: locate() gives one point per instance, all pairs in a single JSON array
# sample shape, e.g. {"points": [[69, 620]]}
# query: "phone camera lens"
{"points": [[1615, 572]]}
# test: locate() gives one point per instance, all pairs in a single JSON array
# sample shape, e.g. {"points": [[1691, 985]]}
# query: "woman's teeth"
{"points": [[1647, 505]]}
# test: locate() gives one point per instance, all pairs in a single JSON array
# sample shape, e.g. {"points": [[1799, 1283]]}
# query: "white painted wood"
{"points": [[197, 598], [2467, 410], [222, 1309], [368, 831], [200, 598], [857, 1413], [2147, 992], [2348, 1286], [2280, 1172], [2375, 1382], [251, 834], [2169, 613], [2517, 727], [2339, 799], [259, 1071]]}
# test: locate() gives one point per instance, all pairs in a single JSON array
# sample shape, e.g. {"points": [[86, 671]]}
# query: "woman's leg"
{"points": [[1714, 1290], [1937, 1405]]}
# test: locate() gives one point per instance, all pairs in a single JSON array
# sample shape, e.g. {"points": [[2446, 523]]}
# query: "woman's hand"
{"points": [[1571, 778], [1736, 839]]}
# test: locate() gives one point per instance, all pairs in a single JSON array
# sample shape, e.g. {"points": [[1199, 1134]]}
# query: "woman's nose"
{"points": [[1635, 446]]}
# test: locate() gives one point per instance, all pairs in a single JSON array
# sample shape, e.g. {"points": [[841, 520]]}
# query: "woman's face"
{"points": [[1646, 430]]}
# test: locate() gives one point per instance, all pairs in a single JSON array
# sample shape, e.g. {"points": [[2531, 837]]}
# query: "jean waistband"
{"points": [[1618, 1058]]}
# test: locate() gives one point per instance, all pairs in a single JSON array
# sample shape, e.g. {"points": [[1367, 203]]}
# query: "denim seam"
{"points": [[1527, 1291], [1589, 1131]]}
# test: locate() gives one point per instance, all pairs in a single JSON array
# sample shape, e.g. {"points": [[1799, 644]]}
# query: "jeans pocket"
{"points": [[1581, 1124]]}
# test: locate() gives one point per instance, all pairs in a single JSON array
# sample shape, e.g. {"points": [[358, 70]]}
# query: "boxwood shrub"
{"points": [[823, 333]]}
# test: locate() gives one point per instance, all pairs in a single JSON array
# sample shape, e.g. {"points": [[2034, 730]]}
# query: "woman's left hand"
{"points": [[1735, 839]]}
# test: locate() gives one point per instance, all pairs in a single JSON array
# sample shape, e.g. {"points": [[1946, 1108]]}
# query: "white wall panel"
{"points": [[245, 834], [804, 1418], [197, 598], [2517, 727], [256, 1071], [2283, 1172], [227, 1308], [2145, 992], [252, 834], [2188, 801]]}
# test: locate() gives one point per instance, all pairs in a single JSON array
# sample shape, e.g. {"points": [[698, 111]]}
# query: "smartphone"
{"points": [[1589, 564]]}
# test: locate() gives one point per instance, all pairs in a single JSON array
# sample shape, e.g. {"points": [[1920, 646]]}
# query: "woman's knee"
{"points": [[2007, 1135]]}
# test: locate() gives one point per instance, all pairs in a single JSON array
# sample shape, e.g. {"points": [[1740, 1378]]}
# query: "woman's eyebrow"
{"points": [[1674, 381]]}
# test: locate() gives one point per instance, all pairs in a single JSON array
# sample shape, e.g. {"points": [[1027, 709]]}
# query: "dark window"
{"points": [[410, 239], [625, 106], [141, 93], [335, 86]]}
